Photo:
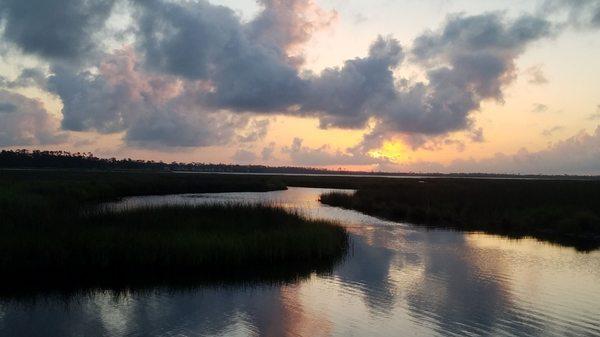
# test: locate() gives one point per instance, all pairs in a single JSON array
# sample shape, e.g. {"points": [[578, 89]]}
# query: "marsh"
{"points": [[397, 278]]}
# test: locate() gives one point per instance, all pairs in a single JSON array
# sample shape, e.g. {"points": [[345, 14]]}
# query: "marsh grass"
{"points": [[563, 212], [211, 241], [52, 232]]}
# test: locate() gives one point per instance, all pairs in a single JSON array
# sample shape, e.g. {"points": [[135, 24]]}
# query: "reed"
{"points": [[52, 228], [563, 212], [172, 240]]}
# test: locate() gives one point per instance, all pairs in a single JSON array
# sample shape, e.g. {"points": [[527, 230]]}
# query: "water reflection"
{"points": [[455, 288], [399, 280]]}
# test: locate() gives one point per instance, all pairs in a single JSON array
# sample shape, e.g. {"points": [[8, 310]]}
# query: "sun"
{"points": [[393, 151]]}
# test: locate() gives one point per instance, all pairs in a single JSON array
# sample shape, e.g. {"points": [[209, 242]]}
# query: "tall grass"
{"points": [[48, 233], [564, 212], [173, 241]]}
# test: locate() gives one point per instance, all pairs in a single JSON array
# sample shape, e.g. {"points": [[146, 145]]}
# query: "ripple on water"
{"points": [[399, 280]]}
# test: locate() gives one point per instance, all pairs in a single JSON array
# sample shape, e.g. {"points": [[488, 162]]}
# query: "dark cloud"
{"points": [[55, 29], [205, 60], [152, 110], [6, 107], [89, 102], [179, 127], [24, 121], [192, 61], [200, 41], [469, 60], [185, 39], [347, 97]]}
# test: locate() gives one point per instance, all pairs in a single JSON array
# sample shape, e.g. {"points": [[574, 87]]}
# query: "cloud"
{"points": [[470, 60], [244, 157], [59, 30], [580, 14], [25, 121], [267, 152], [595, 116], [359, 18], [459, 145], [184, 38], [89, 101], [536, 75], [579, 154], [247, 67], [195, 72], [477, 135], [200, 41], [551, 131], [29, 77], [539, 108], [324, 155], [257, 130], [177, 126], [216, 62], [152, 110], [288, 24], [7, 107], [348, 97], [467, 61]]}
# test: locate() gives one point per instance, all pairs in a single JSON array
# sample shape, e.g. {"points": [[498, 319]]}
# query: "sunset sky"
{"points": [[417, 85]]}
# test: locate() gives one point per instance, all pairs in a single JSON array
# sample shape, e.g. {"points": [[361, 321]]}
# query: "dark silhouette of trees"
{"points": [[81, 160], [22, 158]]}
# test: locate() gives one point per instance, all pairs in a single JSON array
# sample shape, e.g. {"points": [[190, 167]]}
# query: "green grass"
{"points": [[563, 212]]}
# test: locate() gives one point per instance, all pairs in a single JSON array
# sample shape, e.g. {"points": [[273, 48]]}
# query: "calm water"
{"points": [[398, 281]]}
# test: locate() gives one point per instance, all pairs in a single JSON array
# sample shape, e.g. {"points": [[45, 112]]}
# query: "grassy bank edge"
{"points": [[579, 229], [172, 244]]}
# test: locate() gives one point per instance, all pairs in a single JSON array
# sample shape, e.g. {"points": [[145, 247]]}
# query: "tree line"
{"points": [[23, 158]]}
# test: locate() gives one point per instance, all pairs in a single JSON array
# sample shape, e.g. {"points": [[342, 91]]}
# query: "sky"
{"points": [[407, 86]]}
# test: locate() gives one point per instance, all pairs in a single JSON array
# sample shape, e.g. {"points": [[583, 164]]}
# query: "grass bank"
{"points": [[46, 233], [564, 212], [32, 198], [173, 242]]}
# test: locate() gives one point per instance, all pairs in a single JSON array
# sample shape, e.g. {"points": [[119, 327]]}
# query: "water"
{"points": [[398, 281]]}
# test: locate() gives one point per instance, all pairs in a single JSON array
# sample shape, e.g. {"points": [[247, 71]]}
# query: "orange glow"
{"points": [[394, 151]]}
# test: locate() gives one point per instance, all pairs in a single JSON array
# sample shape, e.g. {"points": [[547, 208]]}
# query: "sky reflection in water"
{"points": [[398, 280]]}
